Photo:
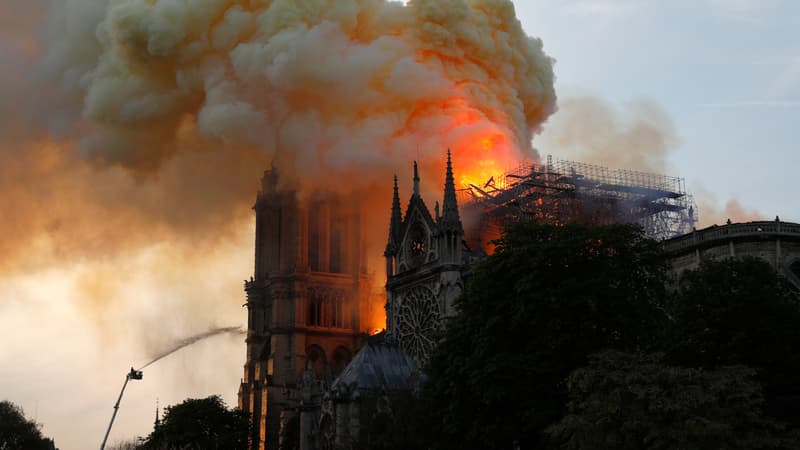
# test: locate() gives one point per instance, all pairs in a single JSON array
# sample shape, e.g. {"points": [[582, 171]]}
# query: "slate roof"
{"points": [[378, 365]]}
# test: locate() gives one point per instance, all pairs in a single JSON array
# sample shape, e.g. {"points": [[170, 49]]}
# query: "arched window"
{"points": [[316, 356], [314, 318], [326, 307], [341, 357]]}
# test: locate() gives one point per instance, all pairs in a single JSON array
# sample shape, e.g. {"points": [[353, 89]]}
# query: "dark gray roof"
{"points": [[378, 365]]}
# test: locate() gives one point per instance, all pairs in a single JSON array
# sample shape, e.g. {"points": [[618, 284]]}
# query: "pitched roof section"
{"points": [[378, 366], [415, 203]]}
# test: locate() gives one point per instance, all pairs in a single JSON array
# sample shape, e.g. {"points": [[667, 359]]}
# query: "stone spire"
{"points": [[451, 220], [416, 179], [397, 219]]}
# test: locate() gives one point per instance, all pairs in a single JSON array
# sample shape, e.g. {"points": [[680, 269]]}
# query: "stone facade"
{"points": [[775, 241], [304, 301], [424, 265], [357, 409]]}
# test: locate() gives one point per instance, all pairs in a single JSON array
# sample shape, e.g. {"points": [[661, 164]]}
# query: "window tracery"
{"points": [[327, 307], [418, 322]]}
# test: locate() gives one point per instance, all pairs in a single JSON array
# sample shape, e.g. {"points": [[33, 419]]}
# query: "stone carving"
{"points": [[418, 321]]}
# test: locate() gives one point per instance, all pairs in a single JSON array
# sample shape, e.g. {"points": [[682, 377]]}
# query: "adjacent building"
{"points": [[776, 242]]}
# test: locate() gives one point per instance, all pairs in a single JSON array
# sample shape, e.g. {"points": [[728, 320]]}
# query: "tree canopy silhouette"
{"points": [[199, 424], [635, 402], [740, 311], [17, 432], [532, 313]]}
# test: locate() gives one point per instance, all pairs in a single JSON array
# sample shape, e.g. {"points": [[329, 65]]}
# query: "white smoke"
{"points": [[322, 84]]}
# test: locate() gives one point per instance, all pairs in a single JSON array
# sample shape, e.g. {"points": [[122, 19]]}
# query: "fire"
{"points": [[178, 107], [480, 172], [485, 158]]}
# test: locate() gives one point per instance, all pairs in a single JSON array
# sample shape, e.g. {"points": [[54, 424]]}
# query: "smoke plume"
{"points": [[638, 136], [322, 85], [716, 212], [148, 120], [133, 134]]}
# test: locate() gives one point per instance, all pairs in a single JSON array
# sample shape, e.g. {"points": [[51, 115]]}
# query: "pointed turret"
{"points": [[416, 179], [396, 222], [450, 221]]}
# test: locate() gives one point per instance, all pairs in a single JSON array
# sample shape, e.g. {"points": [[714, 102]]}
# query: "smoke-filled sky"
{"points": [[724, 73], [133, 134]]}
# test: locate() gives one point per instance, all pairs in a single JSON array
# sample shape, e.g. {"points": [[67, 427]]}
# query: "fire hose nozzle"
{"points": [[135, 374]]}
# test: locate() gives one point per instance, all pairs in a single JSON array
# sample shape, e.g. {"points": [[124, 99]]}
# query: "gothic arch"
{"points": [[316, 356], [340, 359]]}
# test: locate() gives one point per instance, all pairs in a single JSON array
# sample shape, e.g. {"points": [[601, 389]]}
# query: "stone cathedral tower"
{"points": [[424, 265], [304, 301]]}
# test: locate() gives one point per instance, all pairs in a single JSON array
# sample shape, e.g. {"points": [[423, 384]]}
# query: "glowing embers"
{"points": [[563, 192], [485, 156]]}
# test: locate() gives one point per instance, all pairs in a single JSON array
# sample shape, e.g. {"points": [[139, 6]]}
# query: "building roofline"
{"points": [[746, 231]]}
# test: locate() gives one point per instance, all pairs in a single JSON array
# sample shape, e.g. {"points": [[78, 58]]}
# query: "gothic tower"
{"points": [[423, 268], [304, 301]]}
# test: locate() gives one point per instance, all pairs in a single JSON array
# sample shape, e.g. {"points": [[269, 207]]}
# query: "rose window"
{"points": [[418, 322]]}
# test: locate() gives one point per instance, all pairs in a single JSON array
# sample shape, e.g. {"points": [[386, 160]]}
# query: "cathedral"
{"points": [[311, 371], [314, 379]]}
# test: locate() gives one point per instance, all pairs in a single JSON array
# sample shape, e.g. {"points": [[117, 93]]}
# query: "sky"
{"points": [[725, 72], [708, 90]]}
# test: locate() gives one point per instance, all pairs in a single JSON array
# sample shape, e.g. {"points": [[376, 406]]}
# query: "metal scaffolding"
{"points": [[561, 192]]}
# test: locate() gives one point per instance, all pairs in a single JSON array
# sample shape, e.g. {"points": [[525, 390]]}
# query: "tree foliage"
{"points": [[532, 312], [621, 401], [739, 311], [200, 424], [17, 432], [128, 444]]}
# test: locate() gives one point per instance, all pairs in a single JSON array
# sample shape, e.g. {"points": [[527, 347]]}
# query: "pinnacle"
{"points": [[450, 216]]}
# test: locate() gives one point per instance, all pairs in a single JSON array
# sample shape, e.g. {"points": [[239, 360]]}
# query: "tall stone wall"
{"points": [[776, 242], [304, 300]]}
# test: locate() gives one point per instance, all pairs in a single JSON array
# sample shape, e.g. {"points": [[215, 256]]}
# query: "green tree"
{"points": [[739, 311], [129, 444], [626, 402], [200, 424], [17, 432], [532, 313]]}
